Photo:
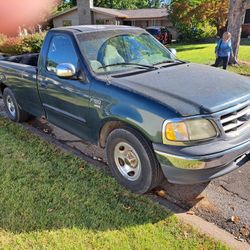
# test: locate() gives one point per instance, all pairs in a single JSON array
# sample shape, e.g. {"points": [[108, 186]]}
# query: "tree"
{"points": [[118, 4], [115, 4], [66, 4], [154, 3], [215, 12], [236, 15], [194, 14]]}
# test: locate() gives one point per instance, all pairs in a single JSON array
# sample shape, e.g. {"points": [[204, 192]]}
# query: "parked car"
{"points": [[162, 34], [120, 88]]}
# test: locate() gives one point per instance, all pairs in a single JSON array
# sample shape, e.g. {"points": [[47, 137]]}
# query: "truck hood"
{"points": [[189, 89]]}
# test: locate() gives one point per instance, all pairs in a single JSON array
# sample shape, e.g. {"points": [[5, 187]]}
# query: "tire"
{"points": [[132, 160], [13, 110]]}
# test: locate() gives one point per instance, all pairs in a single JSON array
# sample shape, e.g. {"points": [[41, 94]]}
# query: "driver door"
{"points": [[66, 101]]}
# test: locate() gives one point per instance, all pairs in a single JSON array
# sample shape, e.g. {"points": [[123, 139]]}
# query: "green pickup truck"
{"points": [[117, 86]]}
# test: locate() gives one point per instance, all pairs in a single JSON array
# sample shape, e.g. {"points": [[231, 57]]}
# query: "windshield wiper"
{"points": [[137, 65], [166, 61], [170, 62]]}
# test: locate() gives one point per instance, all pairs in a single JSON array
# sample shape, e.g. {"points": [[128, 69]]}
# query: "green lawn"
{"points": [[53, 200], [204, 53]]}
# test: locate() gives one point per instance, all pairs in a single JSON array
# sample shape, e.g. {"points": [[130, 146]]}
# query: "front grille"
{"points": [[236, 121]]}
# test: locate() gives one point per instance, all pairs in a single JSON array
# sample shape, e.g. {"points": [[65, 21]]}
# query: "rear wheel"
{"points": [[14, 112], [132, 160]]}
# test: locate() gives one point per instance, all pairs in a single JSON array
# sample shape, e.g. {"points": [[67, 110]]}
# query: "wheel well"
{"points": [[109, 127], [2, 87]]}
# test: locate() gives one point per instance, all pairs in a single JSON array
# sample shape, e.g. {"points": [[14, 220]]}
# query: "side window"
{"points": [[61, 50]]}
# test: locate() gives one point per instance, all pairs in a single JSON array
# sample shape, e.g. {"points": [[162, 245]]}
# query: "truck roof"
{"points": [[95, 28]]}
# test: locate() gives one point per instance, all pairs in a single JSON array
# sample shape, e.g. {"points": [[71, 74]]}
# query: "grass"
{"points": [[53, 200], [204, 53]]}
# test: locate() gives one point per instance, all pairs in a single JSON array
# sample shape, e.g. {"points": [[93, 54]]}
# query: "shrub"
{"points": [[3, 38], [22, 45], [201, 32], [32, 43], [11, 46]]}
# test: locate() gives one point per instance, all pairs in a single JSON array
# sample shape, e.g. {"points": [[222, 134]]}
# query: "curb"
{"points": [[204, 227]]}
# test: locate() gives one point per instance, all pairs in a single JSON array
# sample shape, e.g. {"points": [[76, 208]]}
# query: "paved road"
{"points": [[216, 201]]}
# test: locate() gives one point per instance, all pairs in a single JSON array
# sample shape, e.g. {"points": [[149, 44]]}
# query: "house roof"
{"points": [[110, 12], [126, 14], [146, 13]]}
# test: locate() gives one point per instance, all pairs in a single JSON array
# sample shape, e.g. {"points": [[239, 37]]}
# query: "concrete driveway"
{"points": [[224, 201]]}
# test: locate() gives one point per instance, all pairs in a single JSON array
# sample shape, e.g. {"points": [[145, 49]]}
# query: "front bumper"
{"points": [[190, 168]]}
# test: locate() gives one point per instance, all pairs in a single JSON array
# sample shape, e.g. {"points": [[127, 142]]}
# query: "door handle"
{"points": [[43, 85]]}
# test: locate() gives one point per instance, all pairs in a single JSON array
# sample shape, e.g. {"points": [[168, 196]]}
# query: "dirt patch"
{"points": [[244, 63]]}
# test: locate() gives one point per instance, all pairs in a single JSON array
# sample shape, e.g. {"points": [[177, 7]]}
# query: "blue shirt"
{"points": [[224, 49]]}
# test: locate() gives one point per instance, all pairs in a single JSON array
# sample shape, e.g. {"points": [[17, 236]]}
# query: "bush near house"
{"points": [[200, 33], [11, 46], [3, 38], [21, 45], [32, 43]]}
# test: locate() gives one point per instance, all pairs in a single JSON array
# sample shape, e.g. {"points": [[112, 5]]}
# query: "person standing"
{"points": [[223, 50]]}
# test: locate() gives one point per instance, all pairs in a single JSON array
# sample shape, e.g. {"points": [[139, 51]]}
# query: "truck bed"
{"points": [[27, 59], [20, 74]]}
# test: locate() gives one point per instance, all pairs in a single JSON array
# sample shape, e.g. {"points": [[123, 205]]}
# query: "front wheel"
{"points": [[132, 161], [13, 111]]}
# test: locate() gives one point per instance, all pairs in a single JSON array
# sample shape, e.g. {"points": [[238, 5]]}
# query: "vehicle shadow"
{"points": [[58, 197], [179, 197], [184, 196], [46, 189]]}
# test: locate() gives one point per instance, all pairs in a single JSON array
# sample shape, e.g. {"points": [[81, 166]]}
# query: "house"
{"points": [[96, 15], [246, 25]]}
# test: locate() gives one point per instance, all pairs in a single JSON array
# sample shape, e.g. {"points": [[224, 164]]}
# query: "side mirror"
{"points": [[173, 51], [65, 70]]}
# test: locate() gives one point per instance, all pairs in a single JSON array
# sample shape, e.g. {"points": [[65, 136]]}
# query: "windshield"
{"points": [[119, 51]]}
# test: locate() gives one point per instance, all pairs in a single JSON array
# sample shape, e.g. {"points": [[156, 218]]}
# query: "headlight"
{"points": [[189, 130]]}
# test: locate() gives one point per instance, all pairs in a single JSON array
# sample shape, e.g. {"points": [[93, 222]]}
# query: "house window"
{"points": [[247, 18], [100, 21], [128, 23], [67, 23]]}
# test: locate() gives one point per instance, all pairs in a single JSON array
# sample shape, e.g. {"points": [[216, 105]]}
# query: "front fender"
{"points": [[145, 121], [112, 103]]}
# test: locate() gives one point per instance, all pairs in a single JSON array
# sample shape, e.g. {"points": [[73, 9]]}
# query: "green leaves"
{"points": [[21, 45], [116, 4], [198, 19]]}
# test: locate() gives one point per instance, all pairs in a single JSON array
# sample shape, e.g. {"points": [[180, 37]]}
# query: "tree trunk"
{"points": [[236, 15]]}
